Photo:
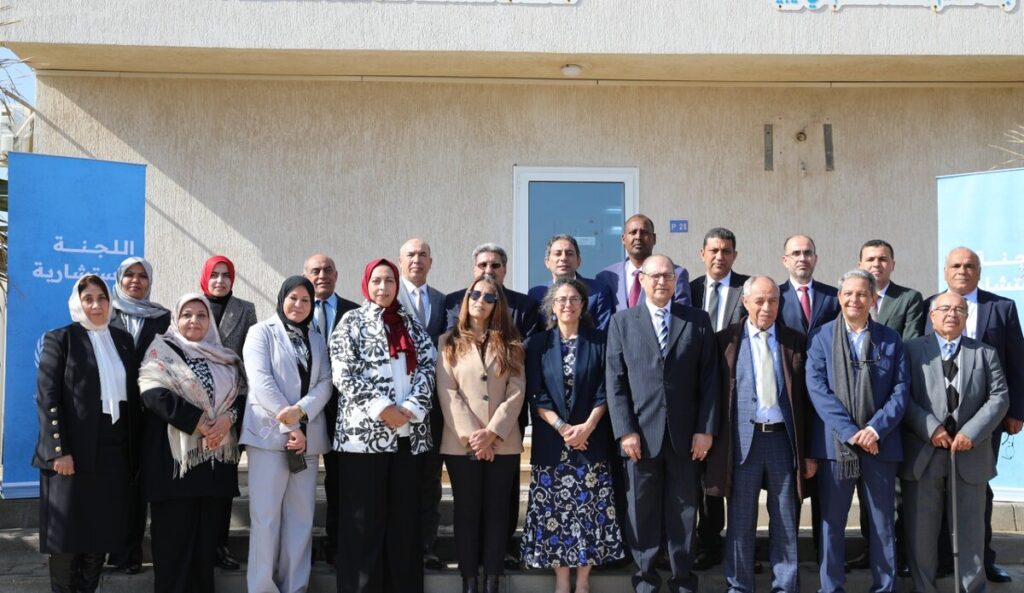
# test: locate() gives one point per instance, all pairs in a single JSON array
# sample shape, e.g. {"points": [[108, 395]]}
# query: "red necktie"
{"points": [[805, 303], [634, 292]]}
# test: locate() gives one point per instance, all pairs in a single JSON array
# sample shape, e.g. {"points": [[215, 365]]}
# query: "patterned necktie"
{"points": [[320, 317], [713, 304], [805, 304], [950, 370], [767, 389], [634, 291], [662, 330]]}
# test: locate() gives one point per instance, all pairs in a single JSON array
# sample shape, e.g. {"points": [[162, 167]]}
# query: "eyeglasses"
{"points": [[667, 276], [494, 265], [489, 297], [804, 253], [946, 310], [563, 301]]}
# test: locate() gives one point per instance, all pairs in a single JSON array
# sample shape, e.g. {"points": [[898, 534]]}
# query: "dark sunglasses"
{"points": [[489, 297]]}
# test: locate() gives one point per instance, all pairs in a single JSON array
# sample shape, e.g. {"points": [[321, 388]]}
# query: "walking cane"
{"points": [[953, 526]]}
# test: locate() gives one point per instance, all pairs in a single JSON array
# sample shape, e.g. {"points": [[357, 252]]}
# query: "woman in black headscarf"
{"points": [[88, 402], [289, 383]]}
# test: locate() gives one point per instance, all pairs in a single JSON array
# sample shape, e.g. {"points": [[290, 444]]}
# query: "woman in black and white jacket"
{"points": [[383, 367]]}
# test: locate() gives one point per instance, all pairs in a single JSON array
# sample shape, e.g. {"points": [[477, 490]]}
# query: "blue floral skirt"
{"points": [[570, 519]]}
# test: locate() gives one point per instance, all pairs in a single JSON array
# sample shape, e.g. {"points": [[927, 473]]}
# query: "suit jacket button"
{"points": [[53, 422], [56, 435], [53, 410], [57, 448]]}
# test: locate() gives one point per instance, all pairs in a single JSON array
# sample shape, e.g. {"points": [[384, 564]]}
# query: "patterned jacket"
{"points": [[361, 370]]}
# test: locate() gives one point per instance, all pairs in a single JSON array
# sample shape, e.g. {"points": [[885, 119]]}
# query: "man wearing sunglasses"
{"points": [[491, 259], [858, 381]]}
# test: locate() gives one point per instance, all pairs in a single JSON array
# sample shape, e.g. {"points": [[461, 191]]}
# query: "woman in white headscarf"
{"points": [[190, 385], [144, 320], [88, 404]]}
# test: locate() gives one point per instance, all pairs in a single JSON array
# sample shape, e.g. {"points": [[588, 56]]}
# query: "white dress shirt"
{"points": [[653, 309], [772, 414], [810, 291], [723, 294], [971, 329], [421, 293]]}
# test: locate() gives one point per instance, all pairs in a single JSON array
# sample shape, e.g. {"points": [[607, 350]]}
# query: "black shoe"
{"points": [[511, 563], [858, 563], [470, 585], [943, 570], [995, 574], [758, 567], [706, 560], [132, 568], [432, 562], [225, 560], [490, 584], [328, 553]]}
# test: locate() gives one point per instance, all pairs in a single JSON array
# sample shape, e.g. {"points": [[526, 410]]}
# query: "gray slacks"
{"points": [[281, 512]]}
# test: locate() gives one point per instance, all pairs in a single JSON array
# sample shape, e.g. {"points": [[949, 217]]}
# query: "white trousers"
{"points": [[281, 514]]}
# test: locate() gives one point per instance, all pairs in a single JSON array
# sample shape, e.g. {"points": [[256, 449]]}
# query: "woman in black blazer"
{"points": [[570, 520], [190, 389], [232, 317], [88, 403], [144, 320]]}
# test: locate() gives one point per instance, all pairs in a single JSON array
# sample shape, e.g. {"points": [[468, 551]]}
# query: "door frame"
{"points": [[523, 175]]}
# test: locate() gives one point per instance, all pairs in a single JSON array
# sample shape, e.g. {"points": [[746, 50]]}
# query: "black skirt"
{"points": [[85, 512]]}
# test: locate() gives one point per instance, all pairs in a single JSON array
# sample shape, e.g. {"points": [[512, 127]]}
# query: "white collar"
{"points": [[412, 288], [753, 330], [724, 281]]}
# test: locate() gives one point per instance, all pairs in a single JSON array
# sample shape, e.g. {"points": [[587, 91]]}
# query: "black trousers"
{"points": [[480, 490], [378, 524], [512, 546], [331, 478], [185, 537], [710, 523], [138, 511], [430, 483], [75, 573]]}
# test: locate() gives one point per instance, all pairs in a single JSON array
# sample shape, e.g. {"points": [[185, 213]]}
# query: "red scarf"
{"points": [[204, 281], [399, 339]]}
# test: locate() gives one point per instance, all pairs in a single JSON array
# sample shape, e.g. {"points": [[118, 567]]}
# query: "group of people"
{"points": [[658, 406]]}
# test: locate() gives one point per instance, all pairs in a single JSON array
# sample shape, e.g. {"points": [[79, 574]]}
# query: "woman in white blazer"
{"points": [[284, 432]]}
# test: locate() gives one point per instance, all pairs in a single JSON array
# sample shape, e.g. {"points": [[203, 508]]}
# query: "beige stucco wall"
{"points": [[269, 171]]}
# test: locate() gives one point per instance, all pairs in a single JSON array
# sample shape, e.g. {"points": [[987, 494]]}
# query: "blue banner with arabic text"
{"points": [[984, 211], [68, 217]]}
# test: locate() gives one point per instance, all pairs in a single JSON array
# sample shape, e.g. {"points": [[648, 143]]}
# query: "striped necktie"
{"points": [[662, 330]]}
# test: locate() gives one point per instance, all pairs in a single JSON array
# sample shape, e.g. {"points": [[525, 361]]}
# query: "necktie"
{"points": [[662, 330], [767, 389], [805, 304], [418, 305], [950, 370], [713, 304], [634, 291], [320, 318]]}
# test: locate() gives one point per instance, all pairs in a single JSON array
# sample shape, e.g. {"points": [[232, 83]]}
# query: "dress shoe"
{"points": [[432, 562], [758, 567], [131, 568], [943, 570], [995, 574], [470, 585], [706, 560], [490, 584], [858, 563], [225, 560], [511, 563]]}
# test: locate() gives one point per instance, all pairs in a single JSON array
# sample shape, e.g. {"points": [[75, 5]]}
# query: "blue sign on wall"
{"points": [[984, 211], [68, 217]]}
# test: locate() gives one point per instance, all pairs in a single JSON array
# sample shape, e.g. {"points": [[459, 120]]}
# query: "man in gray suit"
{"points": [[958, 398], [661, 374], [427, 305]]}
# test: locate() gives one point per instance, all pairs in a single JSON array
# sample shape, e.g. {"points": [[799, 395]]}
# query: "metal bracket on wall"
{"points": [[769, 151], [830, 163]]}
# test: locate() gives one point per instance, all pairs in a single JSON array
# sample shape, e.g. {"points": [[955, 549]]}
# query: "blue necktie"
{"points": [[662, 331]]}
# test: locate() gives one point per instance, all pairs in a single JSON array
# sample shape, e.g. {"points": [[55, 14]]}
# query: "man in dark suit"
{"points": [[328, 310], [958, 398], [763, 414], [427, 305], [804, 303], [562, 258], [490, 258], [623, 278], [902, 310], [993, 320], [858, 381], [718, 293], [662, 381]]}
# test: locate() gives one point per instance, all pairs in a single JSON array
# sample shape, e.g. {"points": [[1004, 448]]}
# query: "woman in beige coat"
{"points": [[480, 388]]}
